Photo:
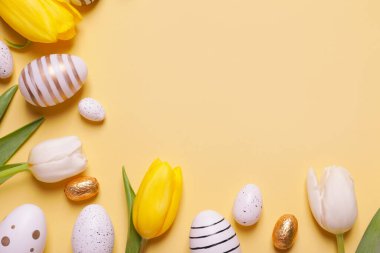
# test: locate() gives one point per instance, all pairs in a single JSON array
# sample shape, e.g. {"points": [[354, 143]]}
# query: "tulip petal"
{"points": [[153, 200], [314, 195], [339, 202], [170, 216], [54, 149], [58, 170]]}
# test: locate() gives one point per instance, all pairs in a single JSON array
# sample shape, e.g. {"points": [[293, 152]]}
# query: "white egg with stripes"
{"points": [[52, 79], [82, 2], [211, 233]]}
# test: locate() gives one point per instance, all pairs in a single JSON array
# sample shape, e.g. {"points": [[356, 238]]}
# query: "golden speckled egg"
{"points": [[82, 188], [285, 232]]}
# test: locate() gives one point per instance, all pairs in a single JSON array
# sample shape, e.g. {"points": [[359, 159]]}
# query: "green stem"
{"points": [[340, 242], [7, 173]]}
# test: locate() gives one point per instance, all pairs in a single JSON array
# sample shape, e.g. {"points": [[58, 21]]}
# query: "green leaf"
{"points": [[370, 242], [5, 100], [10, 143], [134, 241], [9, 166], [17, 45]]}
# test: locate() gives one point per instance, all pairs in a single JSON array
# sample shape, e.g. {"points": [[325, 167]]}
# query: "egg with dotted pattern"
{"points": [[211, 233], [248, 205], [82, 2], [6, 61], [23, 230], [52, 79], [91, 109], [93, 231]]}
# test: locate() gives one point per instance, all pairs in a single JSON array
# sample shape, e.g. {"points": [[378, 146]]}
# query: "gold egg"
{"points": [[82, 188], [285, 232]]}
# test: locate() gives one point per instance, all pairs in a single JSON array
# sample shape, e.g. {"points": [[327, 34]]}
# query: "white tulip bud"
{"points": [[57, 159], [332, 200]]}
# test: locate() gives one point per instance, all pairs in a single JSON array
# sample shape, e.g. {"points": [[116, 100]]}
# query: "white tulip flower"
{"points": [[57, 159], [332, 201]]}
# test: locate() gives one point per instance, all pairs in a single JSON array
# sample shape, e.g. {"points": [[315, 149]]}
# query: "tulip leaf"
{"points": [[370, 242], [14, 45], [10, 143], [134, 241], [5, 100]]}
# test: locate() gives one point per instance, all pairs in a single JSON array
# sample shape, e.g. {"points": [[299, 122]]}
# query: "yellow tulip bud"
{"points": [[157, 200], [45, 21]]}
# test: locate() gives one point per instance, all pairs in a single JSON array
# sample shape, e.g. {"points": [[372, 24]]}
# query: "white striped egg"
{"points": [[6, 61], [52, 79], [211, 233], [82, 2]]}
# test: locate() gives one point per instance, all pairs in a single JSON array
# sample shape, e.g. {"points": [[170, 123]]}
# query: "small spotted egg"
{"points": [[82, 2], [93, 231], [248, 205], [91, 109], [6, 61], [23, 230]]}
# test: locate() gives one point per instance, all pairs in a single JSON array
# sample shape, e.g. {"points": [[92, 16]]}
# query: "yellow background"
{"points": [[236, 92]]}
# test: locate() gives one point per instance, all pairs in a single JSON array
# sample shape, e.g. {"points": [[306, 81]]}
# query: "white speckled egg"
{"points": [[82, 2], [211, 233], [52, 79], [23, 230], [6, 61], [93, 231], [248, 205], [91, 109]]}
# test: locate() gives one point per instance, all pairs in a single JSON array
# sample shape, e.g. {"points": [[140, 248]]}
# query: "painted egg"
{"points": [[23, 230], [52, 79], [248, 205], [82, 188], [91, 109], [6, 61], [93, 231], [211, 233], [285, 232], [82, 2]]}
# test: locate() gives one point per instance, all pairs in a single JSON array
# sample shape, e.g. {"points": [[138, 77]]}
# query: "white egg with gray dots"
{"points": [[91, 109], [248, 205], [23, 230], [93, 231], [6, 61]]}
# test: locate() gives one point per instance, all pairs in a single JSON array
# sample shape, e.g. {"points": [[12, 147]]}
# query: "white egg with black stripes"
{"points": [[211, 233]]}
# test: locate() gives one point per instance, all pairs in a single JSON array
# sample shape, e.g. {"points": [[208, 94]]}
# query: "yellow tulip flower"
{"points": [[45, 21], [157, 200]]}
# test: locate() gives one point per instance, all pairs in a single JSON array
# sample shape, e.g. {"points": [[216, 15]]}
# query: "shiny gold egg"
{"points": [[82, 188], [285, 232]]}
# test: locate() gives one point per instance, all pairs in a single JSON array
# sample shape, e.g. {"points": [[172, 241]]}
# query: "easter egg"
{"points": [[23, 230], [211, 233], [6, 61], [52, 79], [93, 231], [285, 232], [91, 109], [82, 188], [248, 205], [82, 2]]}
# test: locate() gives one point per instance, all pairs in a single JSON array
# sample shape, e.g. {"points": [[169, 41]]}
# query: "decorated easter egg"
{"points": [[93, 231], [211, 233], [248, 205], [91, 109], [285, 232], [82, 2], [52, 79], [6, 61], [23, 230]]}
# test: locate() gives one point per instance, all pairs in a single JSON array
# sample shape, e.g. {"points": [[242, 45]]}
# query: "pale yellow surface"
{"points": [[235, 92]]}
